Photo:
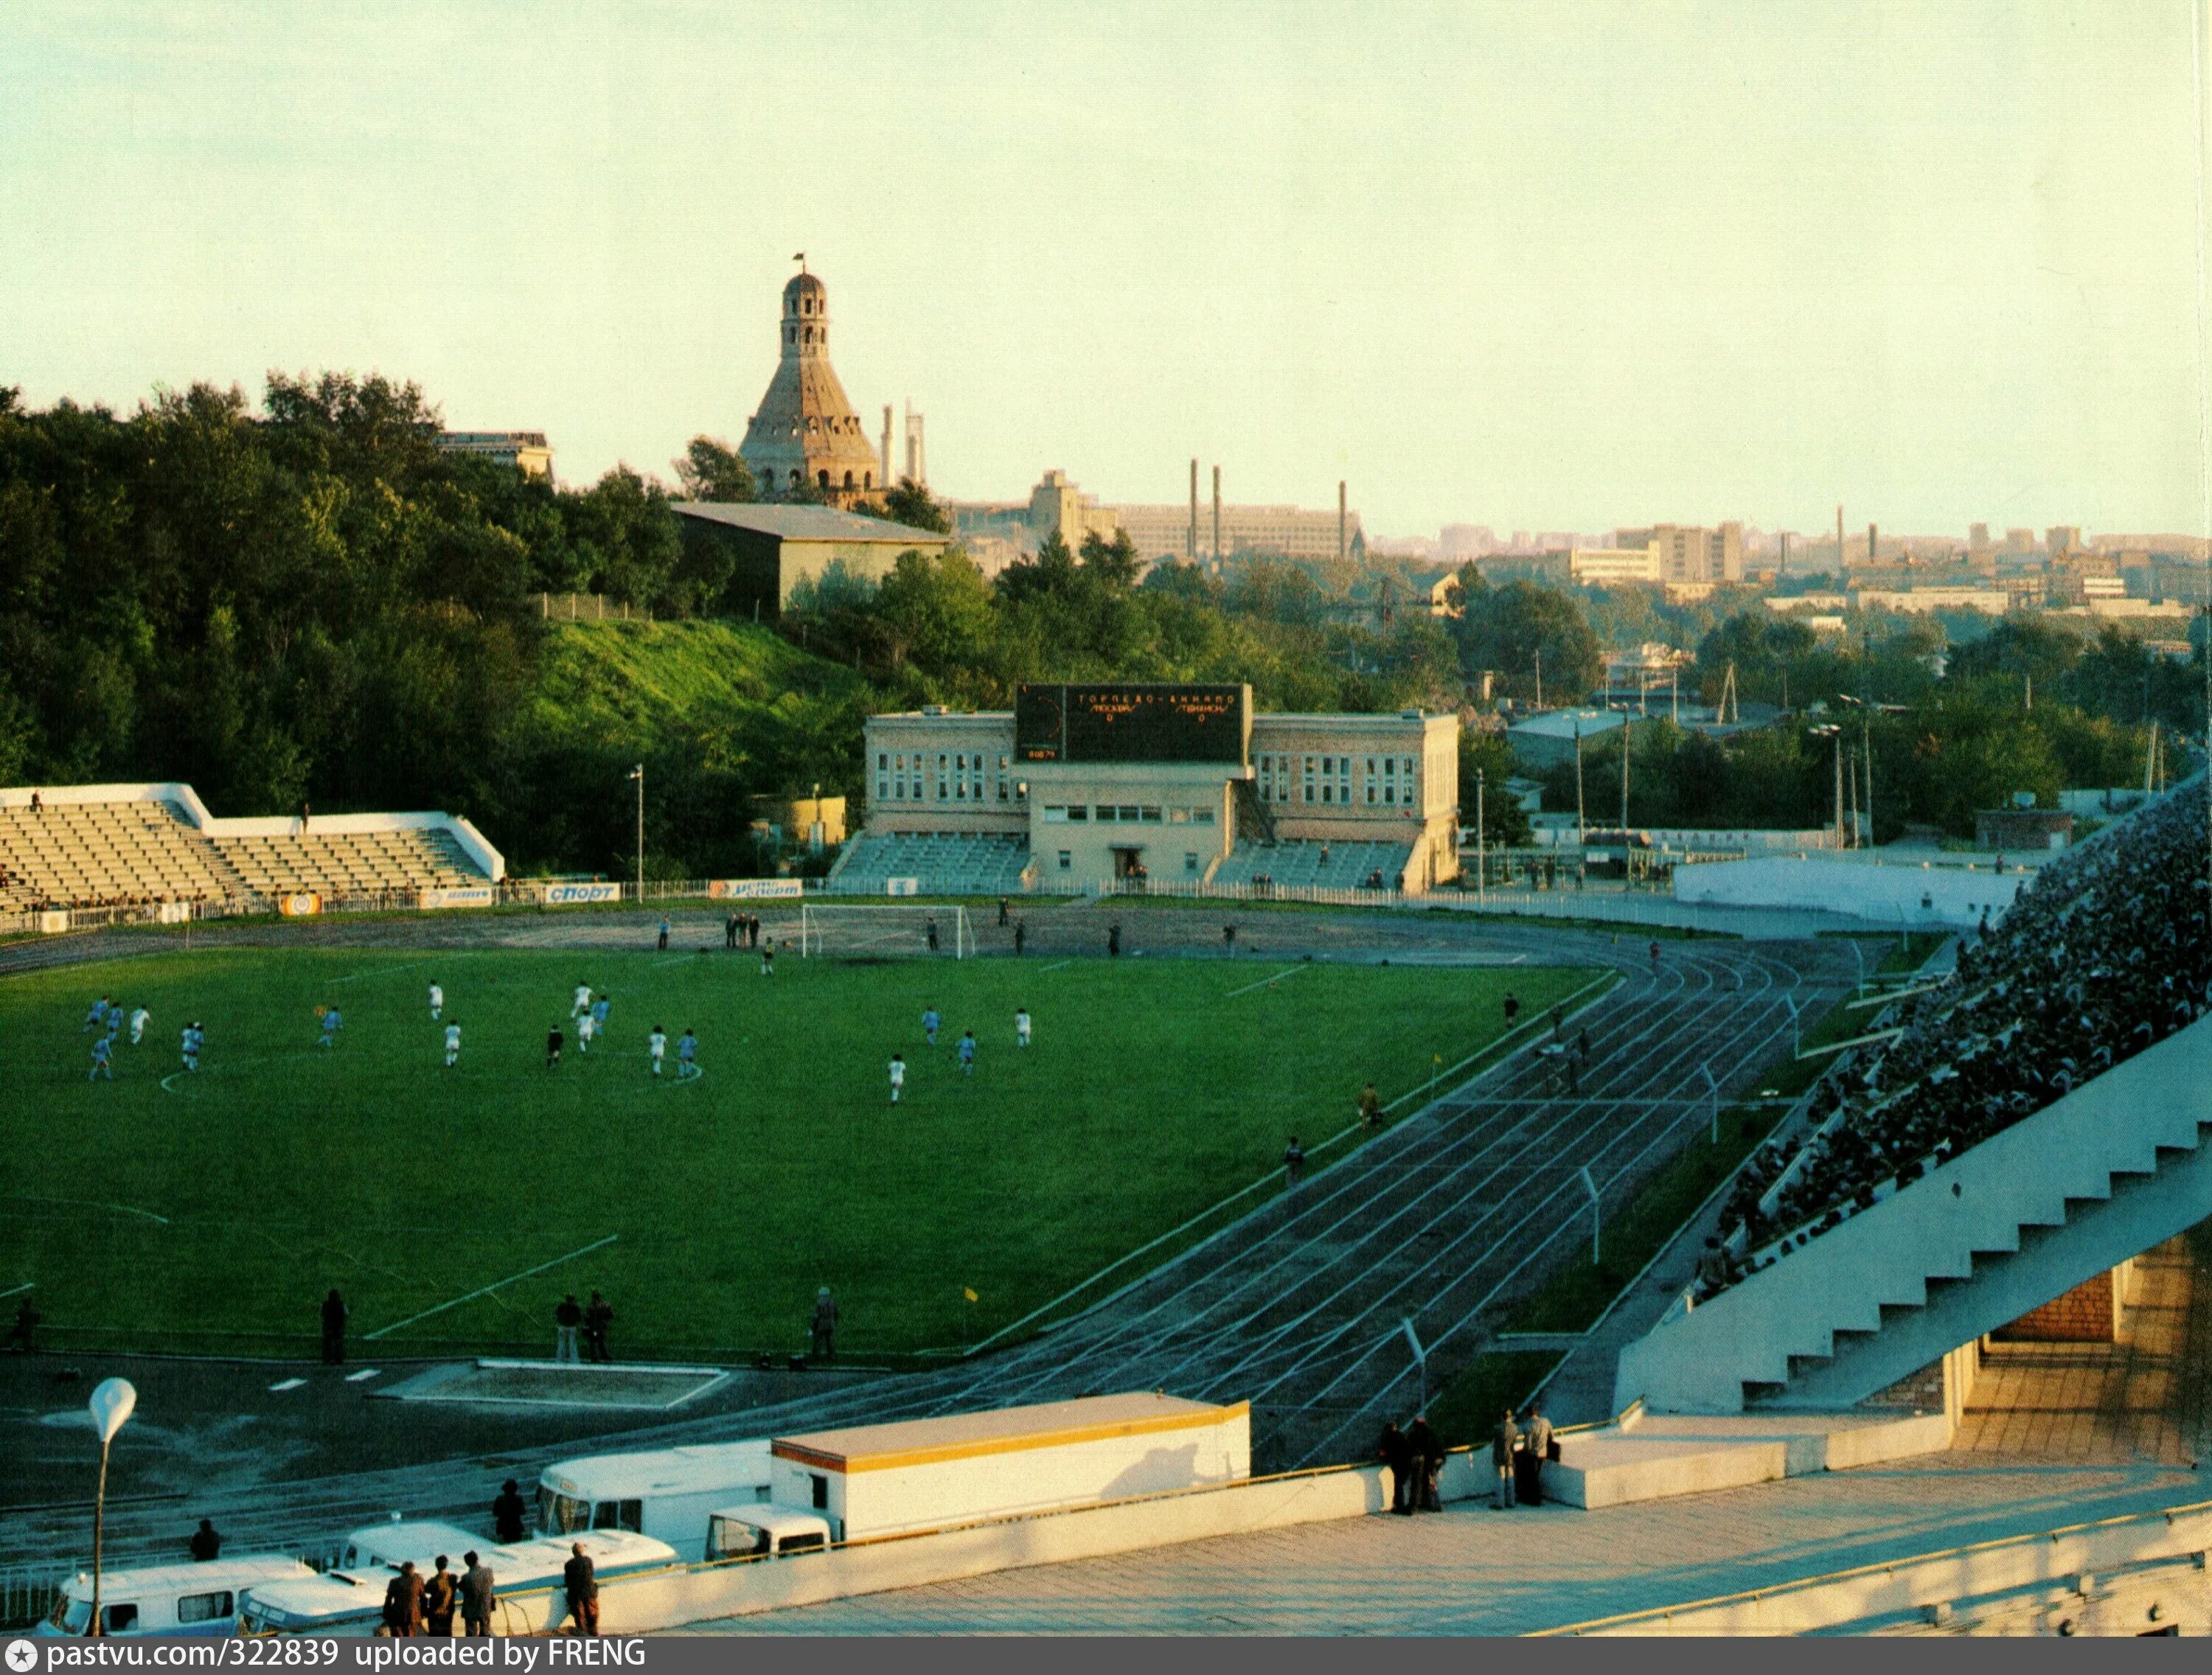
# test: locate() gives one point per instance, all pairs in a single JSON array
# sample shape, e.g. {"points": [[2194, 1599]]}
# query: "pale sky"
{"points": [[1552, 266]]}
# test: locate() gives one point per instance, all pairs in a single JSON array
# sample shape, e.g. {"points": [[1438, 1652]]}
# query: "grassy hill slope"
{"points": [[717, 711]]}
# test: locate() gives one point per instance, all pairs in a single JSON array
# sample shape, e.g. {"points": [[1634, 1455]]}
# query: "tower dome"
{"points": [[805, 440]]}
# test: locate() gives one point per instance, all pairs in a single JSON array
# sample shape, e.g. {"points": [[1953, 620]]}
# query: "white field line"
{"points": [[1061, 966], [486, 1291], [1288, 971], [12, 1289], [286, 1384], [382, 971], [1267, 1179], [86, 1204]]}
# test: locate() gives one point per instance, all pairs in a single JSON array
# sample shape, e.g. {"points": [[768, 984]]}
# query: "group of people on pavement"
{"points": [[591, 1320], [1518, 1453], [417, 1605]]}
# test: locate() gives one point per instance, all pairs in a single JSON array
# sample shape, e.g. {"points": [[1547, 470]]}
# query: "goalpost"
{"points": [[882, 930]]}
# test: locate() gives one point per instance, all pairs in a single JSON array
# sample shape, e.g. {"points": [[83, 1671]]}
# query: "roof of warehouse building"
{"points": [[808, 522]]}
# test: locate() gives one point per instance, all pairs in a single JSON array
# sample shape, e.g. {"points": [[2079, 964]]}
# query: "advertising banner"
{"points": [[902, 887], [176, 913], [734, 889], [568, 896], [305, 904], [51, 923], [460, 895]]}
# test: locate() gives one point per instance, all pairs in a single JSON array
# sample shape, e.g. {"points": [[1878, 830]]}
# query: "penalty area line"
{"points": [[486, 1291], [85, 1203], [1287, 971]]}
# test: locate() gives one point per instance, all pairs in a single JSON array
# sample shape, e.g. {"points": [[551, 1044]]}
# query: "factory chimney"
{"points": [[1874, 543], [917, 462], [1839, 537], [1192, 550], [1342, 550], [888, 481], [1216, 516]]}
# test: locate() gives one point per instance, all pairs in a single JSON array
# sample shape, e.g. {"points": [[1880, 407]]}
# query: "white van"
{"points": [[388, 1546], [352, 1603], [167, 1598], [765, 1532], [665, 1493]]}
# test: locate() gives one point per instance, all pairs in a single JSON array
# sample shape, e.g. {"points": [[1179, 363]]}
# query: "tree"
{"points": [[711, 470], [910, 503], [1114, 562], [1507, 630], [1504, 822]]}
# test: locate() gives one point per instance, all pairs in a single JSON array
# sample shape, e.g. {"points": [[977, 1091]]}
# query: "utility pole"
{"points": [[1482, 850], [1868, 754], [1625, 732], [1582, 819], [1540, 678], [638, 774]]}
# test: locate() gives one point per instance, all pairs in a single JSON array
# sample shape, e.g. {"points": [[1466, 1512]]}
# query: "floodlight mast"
{"points": [[638, 774]]}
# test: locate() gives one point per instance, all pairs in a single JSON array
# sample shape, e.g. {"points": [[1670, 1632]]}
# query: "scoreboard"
{"points": [[1122, 723]]}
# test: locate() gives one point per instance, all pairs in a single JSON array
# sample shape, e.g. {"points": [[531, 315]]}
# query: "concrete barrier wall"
{"points": [[672, 1599], [1911, 897]]}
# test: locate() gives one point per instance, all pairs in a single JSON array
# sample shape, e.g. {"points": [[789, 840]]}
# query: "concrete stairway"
{"points": [[2101, 1175]]}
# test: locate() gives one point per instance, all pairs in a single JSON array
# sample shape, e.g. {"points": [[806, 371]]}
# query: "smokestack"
{"points": [[917, 463], [1342, 550], [888, 480], [1216, 516], [1784, 570], [1191, 550], [1839, 535], [1873, 543]]}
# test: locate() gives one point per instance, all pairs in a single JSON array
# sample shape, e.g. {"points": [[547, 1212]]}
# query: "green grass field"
{"points": [[183, 1211]]}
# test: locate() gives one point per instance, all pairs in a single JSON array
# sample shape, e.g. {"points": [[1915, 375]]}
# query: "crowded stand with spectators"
{"points": [[2105, 955]]}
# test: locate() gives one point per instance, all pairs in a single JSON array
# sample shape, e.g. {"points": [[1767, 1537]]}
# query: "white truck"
{"points": [[915, 1475], [351, 1602], [665, 1493], [165, 1600]]}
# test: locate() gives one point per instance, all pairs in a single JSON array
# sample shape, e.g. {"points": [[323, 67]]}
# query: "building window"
{"points": [[1266, 781], [1201, 816], [1066, 861], [1078, 812], [1374, 790], [849, 479], [1105, 814], [821, 479], [1178, 816], [1411, 778], [1149, 814], [942, 795], [1309, 780], [1055, 814], [1190, 860], [1002, 778]]}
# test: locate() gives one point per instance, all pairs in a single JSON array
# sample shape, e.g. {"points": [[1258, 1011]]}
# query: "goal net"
{"points": [[879, 931]]}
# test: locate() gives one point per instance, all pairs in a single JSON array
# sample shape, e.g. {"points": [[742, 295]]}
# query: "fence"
{"points": [[590, 608], [26, 1597]]}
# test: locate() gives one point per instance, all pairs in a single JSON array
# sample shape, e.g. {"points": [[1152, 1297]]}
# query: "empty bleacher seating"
{"points": [[1305, 864], [145, 851], [944, 862]]}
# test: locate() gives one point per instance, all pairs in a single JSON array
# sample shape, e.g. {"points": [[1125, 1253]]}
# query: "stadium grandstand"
{"points": [[78, 847], [2107, 954], [1081, 787], [2004, 1141]]}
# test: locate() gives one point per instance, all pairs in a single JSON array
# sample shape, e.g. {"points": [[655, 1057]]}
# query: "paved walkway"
{"points": [[1470, 1571]]}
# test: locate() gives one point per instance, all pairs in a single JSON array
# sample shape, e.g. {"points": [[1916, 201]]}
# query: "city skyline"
{"points": [[1738, 266]]}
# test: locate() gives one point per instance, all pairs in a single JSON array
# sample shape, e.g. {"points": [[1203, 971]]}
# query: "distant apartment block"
{"points": [[1691, 554], [1613, 567], [527, 451], [1989, 601]]}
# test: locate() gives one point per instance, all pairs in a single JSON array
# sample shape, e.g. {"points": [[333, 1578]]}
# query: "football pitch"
{"points": [[454, 1208]]}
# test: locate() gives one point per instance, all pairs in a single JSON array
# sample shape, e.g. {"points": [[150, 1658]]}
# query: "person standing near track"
{"points": [[656, 1046], [1512, 1008], [1021, 935], [824, 1346], [768, 958], [1655, 956], [1371, 1107], [479, 1594], [664, 933], [1428, 1451], [508, 1512], [1397, 1453], [1504, 1441], [568, 1321], [440, 1594], [582, 1587], [730, 932], [1113, 940], [598, 1315], [334, 1328], [1294, 1163]]}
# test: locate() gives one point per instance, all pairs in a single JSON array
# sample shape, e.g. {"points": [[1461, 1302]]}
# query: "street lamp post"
{"points": [[1482, 848], [638, 774], [111, 1403]]}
